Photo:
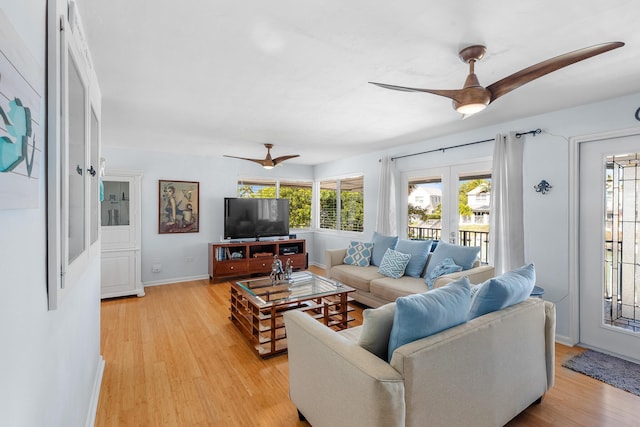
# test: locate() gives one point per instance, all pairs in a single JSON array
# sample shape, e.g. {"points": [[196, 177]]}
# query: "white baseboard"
{"points": [[565, 340], [95, 394], [175, 280]]}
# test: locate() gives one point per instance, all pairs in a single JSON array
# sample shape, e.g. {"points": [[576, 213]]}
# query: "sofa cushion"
{"points": [[503, 291], [358, 253], [376, 328], [394, 263], [445, 267], [421, 315], [380, 245], [354, 276], [464, 256], [419, 251], [390, 289]]}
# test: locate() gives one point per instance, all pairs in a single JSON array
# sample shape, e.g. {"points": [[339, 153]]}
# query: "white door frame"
{"points": [[574, 222]]}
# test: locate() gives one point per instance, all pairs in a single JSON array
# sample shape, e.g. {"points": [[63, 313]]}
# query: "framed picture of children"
{"points": [[178, 207]]}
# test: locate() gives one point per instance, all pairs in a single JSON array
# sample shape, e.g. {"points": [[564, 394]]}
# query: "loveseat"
{"points": [[482, 372], [375, 289]]}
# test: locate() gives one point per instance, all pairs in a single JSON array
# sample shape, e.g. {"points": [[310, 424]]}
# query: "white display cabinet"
{"points": [[120, 235]]}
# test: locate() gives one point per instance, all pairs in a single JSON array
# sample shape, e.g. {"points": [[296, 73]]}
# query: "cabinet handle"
{"points": [[232, 267]]}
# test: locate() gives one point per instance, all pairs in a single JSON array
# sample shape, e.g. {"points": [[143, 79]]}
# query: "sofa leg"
{"points": [[539, 401], [300, 416]]}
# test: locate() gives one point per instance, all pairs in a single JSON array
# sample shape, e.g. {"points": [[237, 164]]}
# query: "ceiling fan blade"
{"points": [[259, 161], [514, 81], [283, 158], [451, 94]]}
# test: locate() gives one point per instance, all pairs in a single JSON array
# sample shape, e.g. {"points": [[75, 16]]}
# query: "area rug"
{"points": [[617, 372]]}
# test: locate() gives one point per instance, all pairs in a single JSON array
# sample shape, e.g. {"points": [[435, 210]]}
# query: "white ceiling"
{"points": [[223, 77]]}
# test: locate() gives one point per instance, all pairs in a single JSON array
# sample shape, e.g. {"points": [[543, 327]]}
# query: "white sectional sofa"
{"points": [[374, 289], [480, 373]]}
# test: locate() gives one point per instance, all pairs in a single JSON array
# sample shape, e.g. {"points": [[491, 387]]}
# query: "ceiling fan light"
{"points": [[469, 109], [267, 167]]}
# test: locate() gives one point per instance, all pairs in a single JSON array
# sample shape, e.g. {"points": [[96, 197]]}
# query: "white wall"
{"points": [[48, 359], [184, 256]]}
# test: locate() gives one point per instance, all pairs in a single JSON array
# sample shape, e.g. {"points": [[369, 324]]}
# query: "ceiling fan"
{"points": [[268, 162], [473, 98]]}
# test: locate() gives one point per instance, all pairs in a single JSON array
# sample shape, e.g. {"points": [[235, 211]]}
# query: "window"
{"points": [[299, 194], [348, 215]]}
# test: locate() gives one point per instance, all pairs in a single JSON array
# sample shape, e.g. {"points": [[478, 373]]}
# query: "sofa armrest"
{"points": [[550, 341], [476, 275], [334, 257], [333, 381]]}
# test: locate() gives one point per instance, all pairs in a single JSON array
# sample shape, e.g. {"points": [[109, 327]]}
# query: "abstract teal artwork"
{"points": [[14, 148], [21, 121]]}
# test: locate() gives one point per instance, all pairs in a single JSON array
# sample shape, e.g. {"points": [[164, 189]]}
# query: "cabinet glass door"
{"points": [[115, 207]]}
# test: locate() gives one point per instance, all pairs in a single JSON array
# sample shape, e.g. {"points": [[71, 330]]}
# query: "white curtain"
{"points": [[506, 231], [386, 219]]}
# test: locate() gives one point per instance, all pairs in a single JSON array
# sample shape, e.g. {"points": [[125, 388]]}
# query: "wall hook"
{"points": [[543, 187]]}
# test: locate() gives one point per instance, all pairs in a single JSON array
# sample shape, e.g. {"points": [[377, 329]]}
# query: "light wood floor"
{"points": [[173, 358]]}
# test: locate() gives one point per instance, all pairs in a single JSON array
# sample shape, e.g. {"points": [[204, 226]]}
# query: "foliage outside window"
{"points": [[299, 194], [348, 215]]}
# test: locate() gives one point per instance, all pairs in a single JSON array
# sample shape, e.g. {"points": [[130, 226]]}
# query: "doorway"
{"points": [[609, 250]]}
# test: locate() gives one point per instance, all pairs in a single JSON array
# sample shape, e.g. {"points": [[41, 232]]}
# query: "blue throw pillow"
{"points": [[464, 256], [445, 267], [420, 315], [503, 291], [380, 245], [394, 263], [358, 253], [419, 251]]}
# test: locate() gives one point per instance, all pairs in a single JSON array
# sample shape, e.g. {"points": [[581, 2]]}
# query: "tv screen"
{"points": [[255, 218]]}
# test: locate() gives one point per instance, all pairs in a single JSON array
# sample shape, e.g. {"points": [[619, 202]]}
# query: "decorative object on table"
{"points": [[21, 140], [614, 371], [542, 187], [473, 98], [277, 273], [178, 210], [268, 162], [288, 269]]}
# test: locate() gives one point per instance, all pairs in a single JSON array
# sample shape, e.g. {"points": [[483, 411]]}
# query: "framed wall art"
{"points": [[179, 207]]}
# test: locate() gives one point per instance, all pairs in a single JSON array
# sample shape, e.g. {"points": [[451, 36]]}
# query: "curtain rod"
{"points": [[443, 149]]}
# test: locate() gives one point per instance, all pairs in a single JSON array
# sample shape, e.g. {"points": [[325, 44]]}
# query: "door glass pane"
{"points": [[115, 207], [425, 208], [95, 179], [622, 228], [474, 197], [76, 162]]}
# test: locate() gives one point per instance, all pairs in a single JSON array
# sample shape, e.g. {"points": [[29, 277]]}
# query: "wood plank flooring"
{"points": [[173, 358]]}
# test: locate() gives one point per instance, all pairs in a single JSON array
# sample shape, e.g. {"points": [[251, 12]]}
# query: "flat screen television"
{"points": [[246, 218]]}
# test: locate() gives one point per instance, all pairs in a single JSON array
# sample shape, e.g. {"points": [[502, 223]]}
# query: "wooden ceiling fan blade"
{"points": [[283, 158], [451, 94], [526, 75], [259, 161]]}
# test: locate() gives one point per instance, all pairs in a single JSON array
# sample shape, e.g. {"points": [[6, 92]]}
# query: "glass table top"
{"points": [[302, 285]]}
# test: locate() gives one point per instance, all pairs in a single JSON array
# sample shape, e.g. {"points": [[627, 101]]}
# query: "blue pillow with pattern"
{"points": [[358, 253], [393, 264], [445, 267]]}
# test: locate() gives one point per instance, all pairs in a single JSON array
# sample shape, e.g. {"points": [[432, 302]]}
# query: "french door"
{"points": [[609, 251], [449, 203]]}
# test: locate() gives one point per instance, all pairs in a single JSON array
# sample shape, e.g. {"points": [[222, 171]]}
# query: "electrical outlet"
{"points": [[189, 259], [156, 268]]}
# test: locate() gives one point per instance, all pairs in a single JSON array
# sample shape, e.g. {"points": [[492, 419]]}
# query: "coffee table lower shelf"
{"points": [[264, 326]]}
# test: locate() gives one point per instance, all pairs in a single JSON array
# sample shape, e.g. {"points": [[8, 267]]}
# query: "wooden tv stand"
{"points": [[249, 258]]}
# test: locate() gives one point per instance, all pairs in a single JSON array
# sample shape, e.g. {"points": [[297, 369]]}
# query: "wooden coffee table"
{"points": [[257, 307]]}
